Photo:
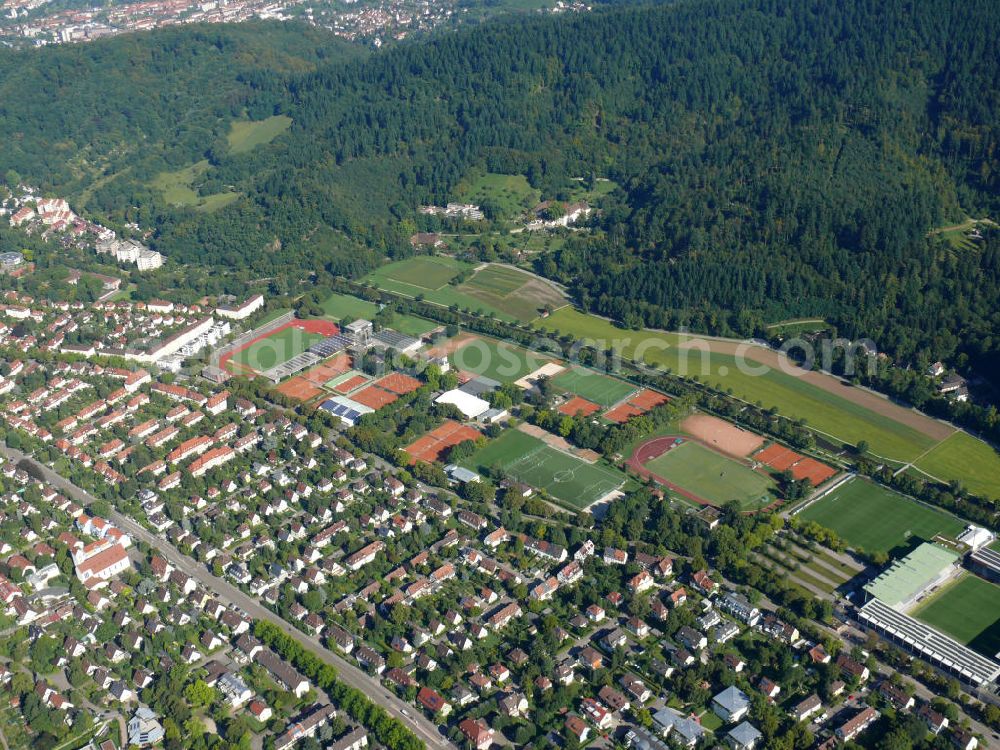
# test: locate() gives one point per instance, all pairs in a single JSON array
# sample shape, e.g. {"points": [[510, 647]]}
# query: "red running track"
{"points": [[657, 447], [325, 327]]}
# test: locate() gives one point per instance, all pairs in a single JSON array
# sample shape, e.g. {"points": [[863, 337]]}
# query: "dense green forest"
{"points": [[777, 158], [72, 114]]}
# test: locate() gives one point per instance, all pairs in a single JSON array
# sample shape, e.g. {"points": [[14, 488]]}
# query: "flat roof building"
{"points": [[360, 331], [975, 537]]}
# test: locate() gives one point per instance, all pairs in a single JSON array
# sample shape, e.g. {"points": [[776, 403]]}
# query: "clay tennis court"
{"points": [[435, 444], [638, 403], [578, 405], [622, 413], [398, 383], [769, 453], [721, 435], [299, 388], [647, 399], [780, 458], [813, 470], [345, 387], [374, 397], [309, 384]]}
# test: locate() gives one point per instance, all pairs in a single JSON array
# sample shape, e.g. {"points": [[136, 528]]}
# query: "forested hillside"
{"points": [[778, 158], [69, 113]]}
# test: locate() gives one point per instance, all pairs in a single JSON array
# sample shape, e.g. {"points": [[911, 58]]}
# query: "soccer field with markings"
{"points": [[566, 478], [876, 519], [593, 386], [968, 610]]}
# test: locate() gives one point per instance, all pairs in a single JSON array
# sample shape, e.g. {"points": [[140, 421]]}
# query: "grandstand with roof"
{"points": [[935, 647], [985, 562], [904, 582], [901, 586]]}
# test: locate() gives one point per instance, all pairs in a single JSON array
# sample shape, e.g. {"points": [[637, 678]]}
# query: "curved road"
{"points": [[350, 674]]}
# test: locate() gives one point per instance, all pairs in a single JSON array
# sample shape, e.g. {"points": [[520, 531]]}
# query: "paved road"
{"points": [[224, 590]]}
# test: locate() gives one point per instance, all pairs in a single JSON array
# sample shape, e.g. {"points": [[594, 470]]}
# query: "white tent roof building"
{"points": [[471, 406]]}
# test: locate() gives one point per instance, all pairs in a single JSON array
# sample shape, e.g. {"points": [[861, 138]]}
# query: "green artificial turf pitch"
{"points": [[593, 386]]}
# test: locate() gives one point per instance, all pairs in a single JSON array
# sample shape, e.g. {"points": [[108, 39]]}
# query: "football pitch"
{"points": [[876, 519], [346, 307], [968, 610], [573, 482], [712, 476], [593, 386]]}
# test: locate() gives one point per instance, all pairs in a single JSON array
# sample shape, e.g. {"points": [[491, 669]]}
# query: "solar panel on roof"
{"points": [[341, 410], [330, 345], [395, 340]]}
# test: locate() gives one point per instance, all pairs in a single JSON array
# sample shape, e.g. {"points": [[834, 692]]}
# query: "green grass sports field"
{"points": [[427, 276], [497, 360], [975, 463], [344, 307], [593, 386], [876, 519], [498, 280], [512, 292], [573, 482], [968, 610], [418, 275], [712, 476], [277, 348], [507, 293]]}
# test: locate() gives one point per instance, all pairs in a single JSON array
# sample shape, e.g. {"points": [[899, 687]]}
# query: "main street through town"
{"points": [[230, 594]]}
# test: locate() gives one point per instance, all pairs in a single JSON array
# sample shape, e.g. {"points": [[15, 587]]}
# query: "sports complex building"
{"points": [[898, 589], [908, 578], [985, 563]]}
